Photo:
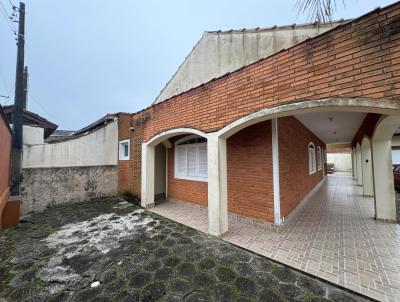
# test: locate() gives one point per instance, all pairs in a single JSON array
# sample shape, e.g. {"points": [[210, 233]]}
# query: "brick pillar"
{"points": [[217, 185]]}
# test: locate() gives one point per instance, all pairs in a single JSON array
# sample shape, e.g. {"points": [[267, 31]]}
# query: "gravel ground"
{"points": [[110, 250]]}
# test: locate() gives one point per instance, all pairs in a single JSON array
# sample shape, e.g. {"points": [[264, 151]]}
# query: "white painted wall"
{"points": [[341, 161], [366, 158], [97, 148]]}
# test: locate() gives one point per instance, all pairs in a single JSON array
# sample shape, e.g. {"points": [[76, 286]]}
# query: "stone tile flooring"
{"points": [[114, 251], [333, 237]]}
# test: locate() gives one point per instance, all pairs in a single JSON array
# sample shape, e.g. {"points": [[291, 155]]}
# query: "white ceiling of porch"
{"points": [[333, 127]]}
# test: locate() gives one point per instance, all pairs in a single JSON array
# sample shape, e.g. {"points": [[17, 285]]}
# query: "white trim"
{"points": [[166, 172], [174, 132], [275, 172], [120, 155], [384, 106], [195, 146], [312, 162], [319, 158]]}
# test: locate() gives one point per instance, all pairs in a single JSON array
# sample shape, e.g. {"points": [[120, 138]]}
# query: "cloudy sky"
{"points": [[92, 57]]}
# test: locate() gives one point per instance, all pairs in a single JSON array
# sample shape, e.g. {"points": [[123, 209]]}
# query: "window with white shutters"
{"points": [[191, 158], [319, 158], [312, 165]]}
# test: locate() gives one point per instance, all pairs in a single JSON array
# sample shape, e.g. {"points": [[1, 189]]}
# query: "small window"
{"points": [[191, 158], [312, 165], [319, 158], [124, 149]]}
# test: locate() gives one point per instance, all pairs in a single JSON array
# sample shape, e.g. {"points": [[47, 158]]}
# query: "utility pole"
{"points": [[26, 83], [18, 105]]}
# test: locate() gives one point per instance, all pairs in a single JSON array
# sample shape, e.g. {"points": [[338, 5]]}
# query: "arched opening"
{"points": [[385, 197]]}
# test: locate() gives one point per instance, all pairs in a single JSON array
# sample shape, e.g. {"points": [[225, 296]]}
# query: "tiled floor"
{"points": [[333, 236]]}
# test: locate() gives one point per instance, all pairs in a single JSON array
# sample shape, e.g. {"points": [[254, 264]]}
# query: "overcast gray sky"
{"points": [[92, 57]]}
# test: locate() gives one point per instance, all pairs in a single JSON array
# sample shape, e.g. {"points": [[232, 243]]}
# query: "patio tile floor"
{"points": [[333, 236]]}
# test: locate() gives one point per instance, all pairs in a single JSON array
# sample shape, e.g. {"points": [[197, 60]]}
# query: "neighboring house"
{"points": [[252, 143], [77, 167], [59, 135], [221, 52], [5, 165], [61, 167]]}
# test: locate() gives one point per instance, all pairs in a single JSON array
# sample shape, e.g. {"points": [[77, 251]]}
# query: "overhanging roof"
{"points": [[31, 119]]}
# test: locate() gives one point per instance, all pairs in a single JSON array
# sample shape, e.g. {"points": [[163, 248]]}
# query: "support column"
{"points": [[359, 165], [354, 164], [147, 194], [368, 187], [385, 205], [275, 172], [217, 185]]}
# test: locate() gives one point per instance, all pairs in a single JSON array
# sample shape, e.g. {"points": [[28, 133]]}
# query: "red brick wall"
{"points": [[183, 189], [249, 163], [5, 162], [294, 177], [357, 59]]}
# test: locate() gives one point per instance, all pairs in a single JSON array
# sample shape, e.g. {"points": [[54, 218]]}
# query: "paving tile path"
{"points": [[114, 251]]}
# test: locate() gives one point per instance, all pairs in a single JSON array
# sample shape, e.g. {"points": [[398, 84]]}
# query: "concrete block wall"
{"points": [[46, 187], [77, 169]]}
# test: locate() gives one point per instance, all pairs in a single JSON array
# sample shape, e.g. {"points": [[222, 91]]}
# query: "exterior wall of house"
{"points": [[249, 164], [183, 189], [131, 126], [358, 59], [294, 177], [5, 163], [226, 51], [77, 169]]}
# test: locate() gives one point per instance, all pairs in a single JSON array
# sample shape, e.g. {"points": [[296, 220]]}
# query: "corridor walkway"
{"points": [[333, 237]]}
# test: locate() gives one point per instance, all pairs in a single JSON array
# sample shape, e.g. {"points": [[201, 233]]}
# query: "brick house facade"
{"points": [[355, 65]]}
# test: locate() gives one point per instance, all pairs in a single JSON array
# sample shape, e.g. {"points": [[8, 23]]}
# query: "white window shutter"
{"points": [[203, 161], [192, 161], [181, 160]]}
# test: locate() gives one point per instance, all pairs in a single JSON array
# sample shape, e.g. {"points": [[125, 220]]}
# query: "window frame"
{"points": [[312, 162], [122, 156], [178, 145], [319, 158]]}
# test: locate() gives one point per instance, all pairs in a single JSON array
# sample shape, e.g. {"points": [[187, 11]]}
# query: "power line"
{"points": [[3, 78], [7, 17], [40, 105]]}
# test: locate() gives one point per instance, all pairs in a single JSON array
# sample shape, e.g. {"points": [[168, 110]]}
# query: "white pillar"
{"points": [[217, 185], [147, 196], [359, 165], [275, 172], [354, 164], [385, 204], [368, 186]]}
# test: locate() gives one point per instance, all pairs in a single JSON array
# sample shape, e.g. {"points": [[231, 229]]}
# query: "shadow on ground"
{"points": [[114, 251]]}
